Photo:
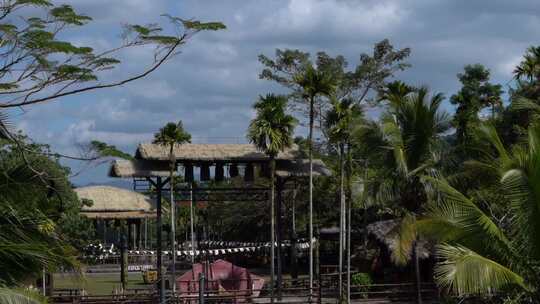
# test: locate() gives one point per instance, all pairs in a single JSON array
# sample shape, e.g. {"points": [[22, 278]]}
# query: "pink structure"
{"points": [[221, 278]]}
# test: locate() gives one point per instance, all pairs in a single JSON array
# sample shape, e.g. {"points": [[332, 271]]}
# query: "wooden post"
{"points": [[294, 252], [123, 261], [161, 286], [279, 236]]}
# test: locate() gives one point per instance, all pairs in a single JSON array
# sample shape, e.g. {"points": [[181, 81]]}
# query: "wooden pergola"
{"points": [[213, 162]]}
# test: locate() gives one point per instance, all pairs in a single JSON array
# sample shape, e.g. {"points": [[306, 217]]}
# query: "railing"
{"points": [[292, 291]]}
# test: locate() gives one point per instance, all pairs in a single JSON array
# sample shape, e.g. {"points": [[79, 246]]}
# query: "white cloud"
{"points": [[339, 17]]}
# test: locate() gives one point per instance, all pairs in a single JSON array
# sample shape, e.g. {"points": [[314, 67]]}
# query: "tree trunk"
{"points": [[173, 219], [310, 142], [272, 226], [191, 223], [279, 237], [341, 218], [161, 286], [417, 274], [294, 253]]}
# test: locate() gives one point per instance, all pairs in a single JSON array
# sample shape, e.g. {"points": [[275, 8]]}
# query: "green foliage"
{"points": [[37, 212], [478, 254], [361, 278], [476, 94], [172, 134], [105, 150], [20, 296], [272, 129]]}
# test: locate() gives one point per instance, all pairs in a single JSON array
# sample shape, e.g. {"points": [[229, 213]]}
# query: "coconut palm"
{"points": [[476, 254], [406, 147], [340, 122], [271, 131], [170, 135], [314, 82]]}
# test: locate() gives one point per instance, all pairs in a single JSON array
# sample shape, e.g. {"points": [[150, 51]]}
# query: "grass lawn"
{"points": [[98, 283]]}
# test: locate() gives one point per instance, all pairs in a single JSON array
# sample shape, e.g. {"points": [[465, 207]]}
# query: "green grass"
{"points": [[98, 283]]}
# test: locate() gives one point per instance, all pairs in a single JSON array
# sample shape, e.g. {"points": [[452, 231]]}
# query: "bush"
{"points": [[363, 281], [361, 278]]}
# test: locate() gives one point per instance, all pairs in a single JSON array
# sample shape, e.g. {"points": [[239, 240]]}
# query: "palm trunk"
{"points": [[272, 226], [173, 219], [348, 212], [341, 217], [191, 223], [310, 141]]}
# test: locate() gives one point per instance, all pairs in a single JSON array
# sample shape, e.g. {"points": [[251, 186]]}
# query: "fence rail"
{"points": [[293, 291]]}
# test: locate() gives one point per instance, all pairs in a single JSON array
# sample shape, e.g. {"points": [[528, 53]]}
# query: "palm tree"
{"points": [[529, 67], [476, 254], [314, 82], [408, 142], [271, 131], [170, 135], [340, 121]]}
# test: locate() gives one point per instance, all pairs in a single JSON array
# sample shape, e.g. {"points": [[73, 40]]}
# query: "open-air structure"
{"points": [[218, 162], [121, 206]]}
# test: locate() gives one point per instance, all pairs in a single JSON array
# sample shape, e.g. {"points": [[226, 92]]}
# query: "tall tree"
{"points": [[475, 94], [309, 82], [271, 131], [340, 122], [171, 135]]}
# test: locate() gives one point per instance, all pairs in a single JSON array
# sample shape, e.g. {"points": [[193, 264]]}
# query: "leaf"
{"points": [[18, 296], [65, 13], [465, 272], [105, 150]]}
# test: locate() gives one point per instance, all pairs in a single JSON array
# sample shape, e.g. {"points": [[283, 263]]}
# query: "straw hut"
{"points": [[112, 204], [385, 235]]}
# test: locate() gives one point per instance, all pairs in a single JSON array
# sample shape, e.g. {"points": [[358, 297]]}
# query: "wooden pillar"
{"points": [[123, 261], [188, 172], [205, 172], [139, 239], [233, 170], [220, 172], [279, 237], [160, 283], [129, 234], [249, 174], [105, 223]]}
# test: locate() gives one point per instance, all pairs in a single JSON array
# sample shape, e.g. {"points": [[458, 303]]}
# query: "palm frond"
{"points": [[465, 272], [18, 296]]}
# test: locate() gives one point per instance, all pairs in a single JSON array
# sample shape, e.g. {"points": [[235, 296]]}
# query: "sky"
{"points": [[213, 82]]}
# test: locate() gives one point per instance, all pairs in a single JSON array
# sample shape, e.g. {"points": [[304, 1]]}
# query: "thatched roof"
{"points": [[385, 232], [300, 167], [210, 152], [115, 203], [144, 168], [138, 168]]}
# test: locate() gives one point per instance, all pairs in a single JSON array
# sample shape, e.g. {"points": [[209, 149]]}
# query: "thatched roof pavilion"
{"points": [[211, 152], [116, 203], [152, 160]]}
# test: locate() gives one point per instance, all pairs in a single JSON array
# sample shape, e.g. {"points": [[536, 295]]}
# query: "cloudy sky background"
{"points": [[212, 84]]}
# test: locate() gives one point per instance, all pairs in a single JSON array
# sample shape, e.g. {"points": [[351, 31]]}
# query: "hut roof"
{"points": [[300, 167], [115, 203], [138, 168], [145, 168], [385, 232], [210, 152]]}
